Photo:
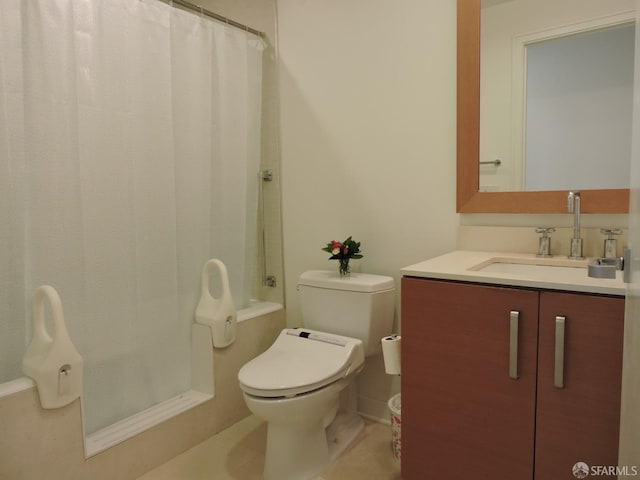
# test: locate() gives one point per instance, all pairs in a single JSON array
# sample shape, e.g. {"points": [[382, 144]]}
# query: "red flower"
{"points": [[343, 250]]}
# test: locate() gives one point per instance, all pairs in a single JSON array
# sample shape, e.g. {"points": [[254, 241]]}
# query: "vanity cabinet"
{"points": [[502, 382]]}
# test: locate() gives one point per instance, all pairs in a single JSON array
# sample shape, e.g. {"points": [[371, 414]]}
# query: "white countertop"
{"points": [[467, 266]]}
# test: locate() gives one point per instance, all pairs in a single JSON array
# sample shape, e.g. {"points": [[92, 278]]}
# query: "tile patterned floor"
{"points": [[238, 454]]}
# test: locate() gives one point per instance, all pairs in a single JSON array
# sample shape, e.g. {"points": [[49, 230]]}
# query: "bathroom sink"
{"points": [[539, 268], [518, 269]]}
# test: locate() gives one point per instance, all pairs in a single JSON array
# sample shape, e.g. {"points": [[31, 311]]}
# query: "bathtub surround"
{"points": [[37, 443]]}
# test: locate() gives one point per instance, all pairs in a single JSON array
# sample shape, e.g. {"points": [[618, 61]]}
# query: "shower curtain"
{"points": [[129, 144]]}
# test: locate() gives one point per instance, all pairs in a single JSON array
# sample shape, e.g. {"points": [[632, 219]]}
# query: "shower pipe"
{"points": [[267, 280], [215, 16]]}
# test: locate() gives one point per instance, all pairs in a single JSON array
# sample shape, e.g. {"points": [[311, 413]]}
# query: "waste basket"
{"points": [[394, 407]]}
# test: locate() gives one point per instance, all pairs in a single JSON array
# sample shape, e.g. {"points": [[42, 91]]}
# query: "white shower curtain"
{"points": [[130, 140]]}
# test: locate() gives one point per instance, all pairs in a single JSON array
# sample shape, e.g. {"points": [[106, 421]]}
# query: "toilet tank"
{"points": [[358, 306]]}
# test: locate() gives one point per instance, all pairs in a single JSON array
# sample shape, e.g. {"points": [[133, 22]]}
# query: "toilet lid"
{"points": [[301, 360]]}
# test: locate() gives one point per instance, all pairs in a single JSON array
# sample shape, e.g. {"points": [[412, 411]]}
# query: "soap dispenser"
{"points": [[52, 361], [610, 243]]}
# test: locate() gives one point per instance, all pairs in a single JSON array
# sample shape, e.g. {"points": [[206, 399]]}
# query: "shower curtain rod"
{"points": [[209, 13]]}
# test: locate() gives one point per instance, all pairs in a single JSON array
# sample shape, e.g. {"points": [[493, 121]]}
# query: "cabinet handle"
{"points": [[513, 344], [558, 369]]}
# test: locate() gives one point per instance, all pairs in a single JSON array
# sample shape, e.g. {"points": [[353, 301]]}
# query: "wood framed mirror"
{"points": [[469, 198]]}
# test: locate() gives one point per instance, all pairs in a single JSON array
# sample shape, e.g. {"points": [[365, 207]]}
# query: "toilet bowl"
{"points": [[303, 387], [296, 386]]}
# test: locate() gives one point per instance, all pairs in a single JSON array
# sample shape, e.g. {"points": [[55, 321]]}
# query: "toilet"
{"points": [[303, 385]]}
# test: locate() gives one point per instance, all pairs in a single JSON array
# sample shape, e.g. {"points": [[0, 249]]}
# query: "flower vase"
{"points": [[344, 268]]}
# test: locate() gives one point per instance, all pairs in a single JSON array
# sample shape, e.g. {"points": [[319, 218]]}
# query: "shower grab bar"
{"points": [[267, 280]]}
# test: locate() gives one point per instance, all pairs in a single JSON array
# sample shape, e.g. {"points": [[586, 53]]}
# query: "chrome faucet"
{"points": [[573, 206]]}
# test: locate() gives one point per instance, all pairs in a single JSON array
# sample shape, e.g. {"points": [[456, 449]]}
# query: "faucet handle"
{"points": [[610, 232], [610, 244], [544, 242]]}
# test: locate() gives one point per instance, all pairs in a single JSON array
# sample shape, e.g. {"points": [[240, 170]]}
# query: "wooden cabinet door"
{"points": [[462, 414], [580, 421]]}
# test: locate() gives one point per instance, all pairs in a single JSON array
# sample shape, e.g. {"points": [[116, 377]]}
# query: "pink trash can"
{"points": [[394, 407]]}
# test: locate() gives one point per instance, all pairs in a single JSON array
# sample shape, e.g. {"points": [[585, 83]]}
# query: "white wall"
{"points": [[368, 118], [368, 132]]}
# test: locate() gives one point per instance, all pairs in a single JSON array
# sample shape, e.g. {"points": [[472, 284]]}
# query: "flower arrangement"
{"points": [[343, 252]]}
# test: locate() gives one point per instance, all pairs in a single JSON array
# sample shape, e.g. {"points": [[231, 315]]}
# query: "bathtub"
{"points": [[202, 389]]}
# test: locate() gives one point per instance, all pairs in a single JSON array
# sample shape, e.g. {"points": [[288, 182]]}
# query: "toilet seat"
{"points": [[299, 361]]}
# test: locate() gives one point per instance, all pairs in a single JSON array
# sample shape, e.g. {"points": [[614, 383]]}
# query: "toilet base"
{"points": [[342, 432], [311, 450]]}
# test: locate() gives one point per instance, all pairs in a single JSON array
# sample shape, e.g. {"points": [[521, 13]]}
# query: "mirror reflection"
{"points": [[556, 82]]}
